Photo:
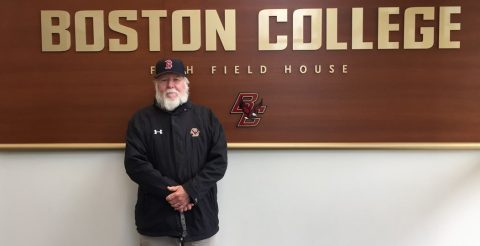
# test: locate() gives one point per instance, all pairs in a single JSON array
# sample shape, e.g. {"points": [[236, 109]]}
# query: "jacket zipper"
{"points": [[184, 228]]}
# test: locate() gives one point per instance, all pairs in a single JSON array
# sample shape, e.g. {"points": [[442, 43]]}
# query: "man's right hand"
{"points": [[179, 199]]}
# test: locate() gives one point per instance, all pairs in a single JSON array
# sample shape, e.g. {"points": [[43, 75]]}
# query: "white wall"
{"points": [[268, 197]]}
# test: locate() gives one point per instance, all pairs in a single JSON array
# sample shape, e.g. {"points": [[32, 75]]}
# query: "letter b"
{"points": [[49, 29]]}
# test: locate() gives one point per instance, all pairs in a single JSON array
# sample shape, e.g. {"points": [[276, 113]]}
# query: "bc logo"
{"points": [[246, 105]]}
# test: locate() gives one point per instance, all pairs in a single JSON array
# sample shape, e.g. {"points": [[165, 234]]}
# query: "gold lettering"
{"points": [[249, 69], [446, 26], [263, 69], [357, 31], [385, 27], [303, 69], [189, 69], [213, 26], [81, 31], [264, 29], [154, 27], [427, 33], [331, 69], [48, 30], [131, 34], [178, 43], [315, 31], [88, 29], [332, 31]]}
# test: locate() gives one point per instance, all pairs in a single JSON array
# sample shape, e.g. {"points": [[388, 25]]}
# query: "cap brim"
{"points": [[169, 72]]}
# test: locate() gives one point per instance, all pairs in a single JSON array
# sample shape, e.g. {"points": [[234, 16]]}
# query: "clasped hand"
{"points": [[179, 199]]}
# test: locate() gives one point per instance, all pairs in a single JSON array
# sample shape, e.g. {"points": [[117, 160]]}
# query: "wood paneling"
{"points": [[426, 95]]}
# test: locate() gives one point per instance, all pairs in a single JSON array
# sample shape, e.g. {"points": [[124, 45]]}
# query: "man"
{"points": [[176, 152]]}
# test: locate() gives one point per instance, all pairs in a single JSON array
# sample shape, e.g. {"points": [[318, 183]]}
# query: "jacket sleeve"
{"points": [[137, 163], [215, 166]]}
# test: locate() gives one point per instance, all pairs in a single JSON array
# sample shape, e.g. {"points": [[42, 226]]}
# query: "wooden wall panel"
{"points": [[388, 95]]}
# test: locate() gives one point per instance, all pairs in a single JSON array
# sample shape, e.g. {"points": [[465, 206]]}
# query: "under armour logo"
{"points": [[158, 131]]}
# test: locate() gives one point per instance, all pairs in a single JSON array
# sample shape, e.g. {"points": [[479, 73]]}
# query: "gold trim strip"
{"points": [[379, 145], [60, 146], [115, 146]]}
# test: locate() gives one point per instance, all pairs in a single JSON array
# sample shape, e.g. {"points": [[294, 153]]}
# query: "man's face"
{"points": [[170, 85], [171, 90]]}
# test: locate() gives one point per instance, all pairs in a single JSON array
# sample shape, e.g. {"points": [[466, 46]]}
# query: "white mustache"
{"points": [[171, 90]]}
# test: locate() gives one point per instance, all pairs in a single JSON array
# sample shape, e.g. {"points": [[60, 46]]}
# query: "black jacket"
{"points": [[184, 147]]}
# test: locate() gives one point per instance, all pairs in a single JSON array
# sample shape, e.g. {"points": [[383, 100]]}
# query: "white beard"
{"points": [[171, 104]]}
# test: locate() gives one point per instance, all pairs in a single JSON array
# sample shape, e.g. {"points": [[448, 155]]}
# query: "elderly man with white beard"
{"points": [[176, 152]]}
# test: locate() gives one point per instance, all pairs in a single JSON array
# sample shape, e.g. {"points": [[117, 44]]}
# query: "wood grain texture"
{"points": [[394, 96]]}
